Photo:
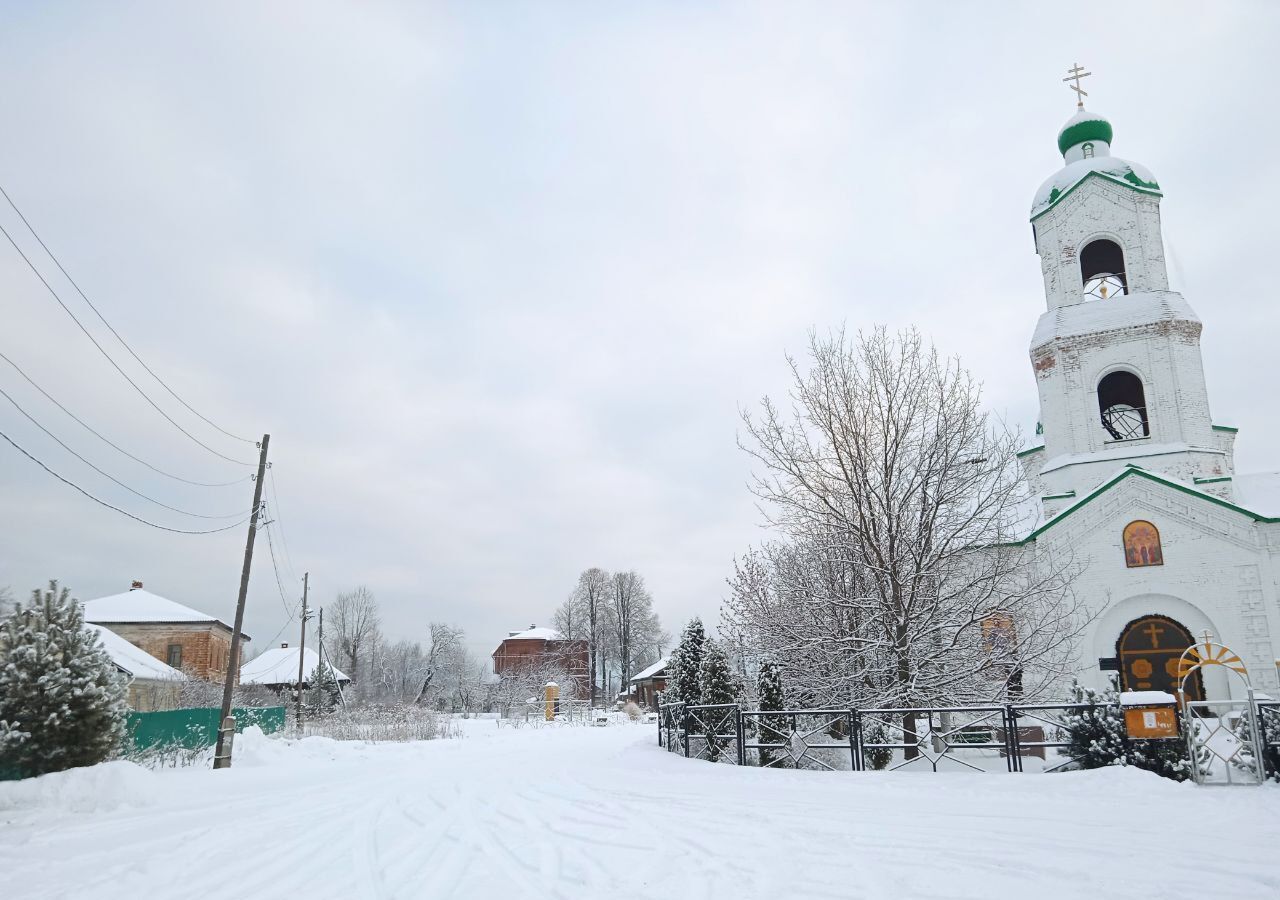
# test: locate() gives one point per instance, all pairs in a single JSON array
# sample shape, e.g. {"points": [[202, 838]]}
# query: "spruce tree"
{"points": [[62, 700], [773, 729], [718, 686], [323, 687], [684, 668]]}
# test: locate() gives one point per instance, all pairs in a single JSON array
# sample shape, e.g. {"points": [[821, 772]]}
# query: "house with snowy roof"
{"points": [[1133, 478], [180, 637], [648, 683], [152, 684], [277, 668], [538, 650]]}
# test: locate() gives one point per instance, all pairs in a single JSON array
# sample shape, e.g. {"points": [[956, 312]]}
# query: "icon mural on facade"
{"points": [[1142, 545]]}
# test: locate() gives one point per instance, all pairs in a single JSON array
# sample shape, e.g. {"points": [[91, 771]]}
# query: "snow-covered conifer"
{"points": [[770, 697], [323, 687], [716, 676], [684, 667], [62, 700]]}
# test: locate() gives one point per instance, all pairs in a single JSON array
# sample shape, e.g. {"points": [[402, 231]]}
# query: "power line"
{"points": [[122, 512], [284, 540], [104, 321], [276, 569], [107, 476], [107, 356], [113, 445]]}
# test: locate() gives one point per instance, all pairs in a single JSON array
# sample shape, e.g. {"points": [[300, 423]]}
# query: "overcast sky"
{"points": [[499, 277]]}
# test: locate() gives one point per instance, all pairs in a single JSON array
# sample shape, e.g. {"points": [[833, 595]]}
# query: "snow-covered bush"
{"points": [[876, 757], [378, 723], [1098, 738], [62, 700], [632, 710], [1243, 732]]}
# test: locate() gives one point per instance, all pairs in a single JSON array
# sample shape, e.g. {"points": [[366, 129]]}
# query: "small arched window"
{"points": [[1122, 404], [1142, 545], [1087, 150], [1102, 269]]}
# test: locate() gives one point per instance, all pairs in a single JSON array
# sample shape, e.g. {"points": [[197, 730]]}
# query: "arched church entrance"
{"points": [[1149, 649]]}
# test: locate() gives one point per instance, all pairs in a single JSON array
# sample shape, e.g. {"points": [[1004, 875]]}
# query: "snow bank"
{"points": [[91, 789], [1147, 698]]}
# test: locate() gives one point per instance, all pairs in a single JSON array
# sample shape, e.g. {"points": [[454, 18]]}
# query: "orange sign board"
{"points": [[1152, 723]]}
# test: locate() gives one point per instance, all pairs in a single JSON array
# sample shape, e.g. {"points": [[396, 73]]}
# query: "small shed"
{"points": [[152, 684], [277, 668], [648, 683]]}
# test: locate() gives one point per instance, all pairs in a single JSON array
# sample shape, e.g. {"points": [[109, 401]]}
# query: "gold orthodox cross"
{"points": [[1155, 633], [1075, 73]]}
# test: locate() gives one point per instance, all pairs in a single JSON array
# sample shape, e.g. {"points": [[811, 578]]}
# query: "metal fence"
{"points": [[193, 729], [1011, 737]]}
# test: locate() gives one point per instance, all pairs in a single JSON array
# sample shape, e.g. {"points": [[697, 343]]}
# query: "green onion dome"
{"points": [[1083, 126]]}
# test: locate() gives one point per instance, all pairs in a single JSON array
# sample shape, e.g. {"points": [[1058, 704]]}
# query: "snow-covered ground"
{"points": [[604, 813]]}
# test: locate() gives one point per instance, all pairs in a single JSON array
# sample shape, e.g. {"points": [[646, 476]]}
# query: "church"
{"points": [[1136, 482]]}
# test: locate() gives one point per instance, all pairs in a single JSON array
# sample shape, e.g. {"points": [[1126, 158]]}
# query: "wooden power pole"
{"points": [[302, 647], [226, 728]]}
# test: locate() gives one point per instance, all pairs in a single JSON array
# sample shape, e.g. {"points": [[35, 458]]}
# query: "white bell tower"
{"points": [[1117, 354]]}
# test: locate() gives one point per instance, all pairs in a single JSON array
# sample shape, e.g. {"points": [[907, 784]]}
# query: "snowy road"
{"points": [[574, 812]]}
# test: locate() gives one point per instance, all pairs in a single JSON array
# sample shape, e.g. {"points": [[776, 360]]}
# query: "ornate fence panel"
{"points": [[946, 737], [1040, 731], [671, 727], [1269, 715], [714, 733], [825, 739]]}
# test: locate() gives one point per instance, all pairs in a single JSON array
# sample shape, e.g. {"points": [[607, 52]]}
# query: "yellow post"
{"points": [[553, 698]]}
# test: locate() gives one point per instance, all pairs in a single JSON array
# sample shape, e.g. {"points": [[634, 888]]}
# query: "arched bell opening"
{"points": [[1102, 269], [1122, 404]]}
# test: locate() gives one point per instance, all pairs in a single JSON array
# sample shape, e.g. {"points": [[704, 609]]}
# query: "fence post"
{"points": [[1012, 741], [855, 740], [684, 719], [742, 742]]}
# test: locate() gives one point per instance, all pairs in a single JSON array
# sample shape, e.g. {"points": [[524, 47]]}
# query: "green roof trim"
{"points": [[1065, 495], [1028, 451], [1225, 428], [1088, 130], [1131, 181], [1135, 472], [1216, 480]]}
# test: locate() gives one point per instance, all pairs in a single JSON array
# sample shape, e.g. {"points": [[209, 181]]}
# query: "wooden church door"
{"points": [[1149, 649]]}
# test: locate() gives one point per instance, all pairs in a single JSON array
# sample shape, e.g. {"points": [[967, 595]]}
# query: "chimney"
{"points": [[284, 646], [531, 627], [136, 586]]}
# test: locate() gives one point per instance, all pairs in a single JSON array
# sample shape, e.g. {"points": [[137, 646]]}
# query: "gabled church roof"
{"points": [[1132, 471]]}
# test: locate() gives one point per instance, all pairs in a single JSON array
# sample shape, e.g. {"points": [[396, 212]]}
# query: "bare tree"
{"points": [[631, 617], [351, 624], [442, 654], [589, 599], [899, 581]]}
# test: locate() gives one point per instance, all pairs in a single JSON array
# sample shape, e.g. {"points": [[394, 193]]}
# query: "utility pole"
{"points": [[302, 647], [226, 728]]}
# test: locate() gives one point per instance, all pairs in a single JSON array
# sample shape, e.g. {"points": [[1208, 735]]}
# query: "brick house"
{"points": [[182, 638], [542, 651], [152, 684]]}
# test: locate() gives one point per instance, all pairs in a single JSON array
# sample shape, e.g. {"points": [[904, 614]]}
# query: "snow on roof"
{"points": [[651, 671], [134, 660], [535, 633], [138, 605], [279, 665], [1133, 175], [1147, 698], [1258, 492], [1119, 311]]}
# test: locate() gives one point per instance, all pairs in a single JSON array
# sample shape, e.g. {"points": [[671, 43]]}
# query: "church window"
{"points": [[1123, 405], [1149, 649], [1087, 150], [1142, 545], [1102, 269]]}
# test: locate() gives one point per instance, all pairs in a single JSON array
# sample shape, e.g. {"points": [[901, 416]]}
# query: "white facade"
{"points": [[1128, 438]]}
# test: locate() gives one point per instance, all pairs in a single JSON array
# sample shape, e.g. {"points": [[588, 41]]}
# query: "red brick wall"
{"points": [[205, 646]]}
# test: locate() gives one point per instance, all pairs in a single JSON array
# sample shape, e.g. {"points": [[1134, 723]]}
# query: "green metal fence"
{"points": [[192, 729]]}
